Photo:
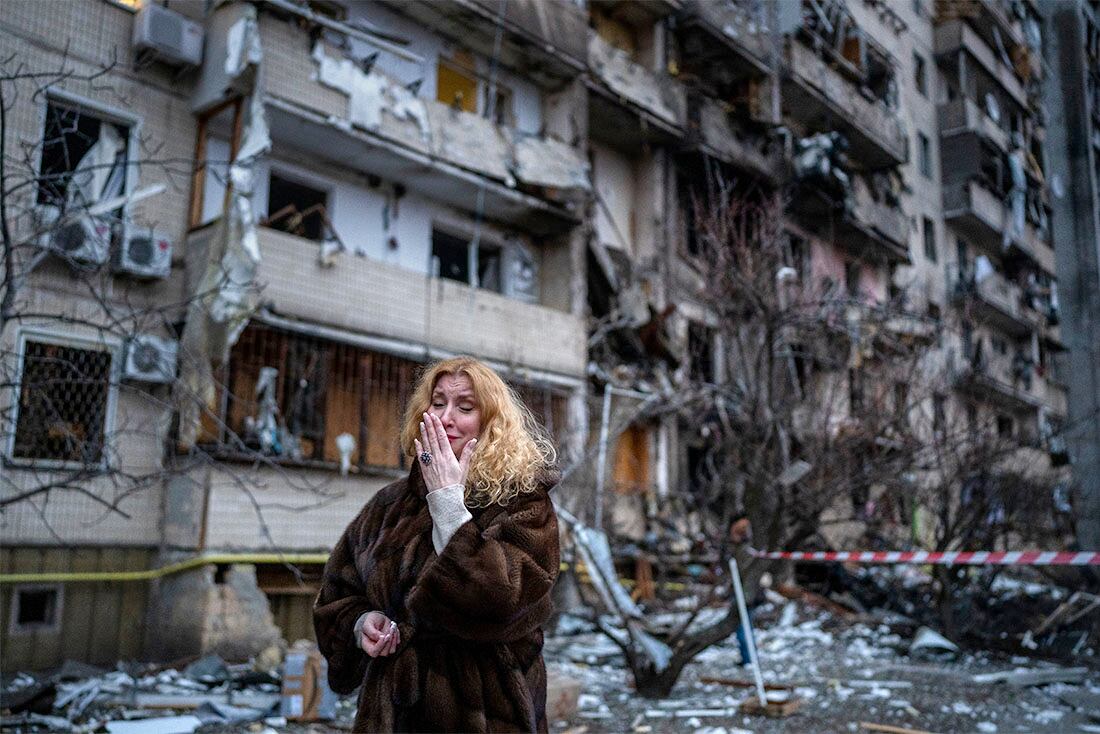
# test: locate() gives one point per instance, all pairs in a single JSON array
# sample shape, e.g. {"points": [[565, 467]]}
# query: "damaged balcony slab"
{"points": [[706, 21], [370, 297], [543, 38], [956, 36], [981, 383], [421, 171], [998, 302], [710, 132], [638, 104], [979, 214], [963, 117], [820, 98], [871, 230]]}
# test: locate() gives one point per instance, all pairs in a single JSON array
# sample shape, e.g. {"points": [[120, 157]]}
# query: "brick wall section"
{"points": [[304, 511]]}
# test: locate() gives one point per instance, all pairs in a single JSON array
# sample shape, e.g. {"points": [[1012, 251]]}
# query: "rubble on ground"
{"points": [[849, 669]]}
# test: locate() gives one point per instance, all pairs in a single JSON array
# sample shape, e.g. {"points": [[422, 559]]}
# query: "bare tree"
{"points": [[88, 356], [826, 415]]}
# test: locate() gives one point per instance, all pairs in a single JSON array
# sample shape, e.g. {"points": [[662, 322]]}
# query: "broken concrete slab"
{"points": [[931, 645], [1023, 677], [159, 725]]}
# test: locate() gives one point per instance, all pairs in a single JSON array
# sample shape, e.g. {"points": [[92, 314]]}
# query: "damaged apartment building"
{"points": [[367, 186]]}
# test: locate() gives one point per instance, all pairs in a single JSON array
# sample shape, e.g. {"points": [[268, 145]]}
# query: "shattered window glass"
{"points": [[296, 208], [452, 255], [63, 395], [83, 158]]}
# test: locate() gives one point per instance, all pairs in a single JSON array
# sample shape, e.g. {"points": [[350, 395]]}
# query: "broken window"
{"points": [[296, 208], [315, 391], [298, 397], [930, 240], [856, 392], [35, 609], [64, 394], [851, 278], [83, 158], [939, 414], [1006, 427], [700, 353], [459, 85], [456, 82], [924, 154], [451, 257], [920, 74]]}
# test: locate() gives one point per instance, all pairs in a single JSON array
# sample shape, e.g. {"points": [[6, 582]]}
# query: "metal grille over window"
{"points": [[62, 403], [299, 398]]}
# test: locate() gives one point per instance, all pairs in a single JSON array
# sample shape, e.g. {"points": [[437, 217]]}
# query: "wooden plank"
{"points": [[103, 648], [890, 728], [134, 597]]}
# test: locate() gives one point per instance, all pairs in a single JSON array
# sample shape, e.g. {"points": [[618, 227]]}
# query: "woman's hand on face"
{"points": [[445, 468], [378, 636]]}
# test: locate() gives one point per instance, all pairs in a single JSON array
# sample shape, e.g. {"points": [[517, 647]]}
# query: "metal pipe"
{"points": [[746, 630], [601, 461], [154, 573]]}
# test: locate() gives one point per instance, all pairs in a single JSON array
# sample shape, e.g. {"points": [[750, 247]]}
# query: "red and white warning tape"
{"points": [[950, 558]]}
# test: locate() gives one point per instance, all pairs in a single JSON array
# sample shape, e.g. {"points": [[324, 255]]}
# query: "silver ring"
{"points": [[426, 458]]}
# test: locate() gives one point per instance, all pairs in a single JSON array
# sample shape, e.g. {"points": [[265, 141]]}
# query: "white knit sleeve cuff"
{"points": [[449, 513]]}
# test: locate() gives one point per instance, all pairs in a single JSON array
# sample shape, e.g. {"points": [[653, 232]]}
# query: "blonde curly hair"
{"points": [[512, 448]]}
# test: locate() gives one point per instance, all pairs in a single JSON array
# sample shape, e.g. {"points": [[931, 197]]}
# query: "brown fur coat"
{"points": [[470, 658]]}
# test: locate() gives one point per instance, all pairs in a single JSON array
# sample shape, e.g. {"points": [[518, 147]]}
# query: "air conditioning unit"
{"points": [[145, 253], [150, 359], [171, 37], [81, 238]]}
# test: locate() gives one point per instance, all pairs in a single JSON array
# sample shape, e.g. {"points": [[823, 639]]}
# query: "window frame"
{"points": [[924, 155], [104, 113], [920, 74], [292, 175], [485, 240], [928, 235], [24, 630], [105, 343]]}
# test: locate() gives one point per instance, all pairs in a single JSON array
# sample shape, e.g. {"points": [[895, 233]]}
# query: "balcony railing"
{"points": [[326, 106], [654, 94], [997, 301], [961, 116], [977, 212], [876, 132], [384, 301], [957, 35], [732, 25], [710, 129]]}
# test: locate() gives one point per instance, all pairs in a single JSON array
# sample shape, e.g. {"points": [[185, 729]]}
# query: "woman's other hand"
{"points": [[378, 636], [444, 469]]}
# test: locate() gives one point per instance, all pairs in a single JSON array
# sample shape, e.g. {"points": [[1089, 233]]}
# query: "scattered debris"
{"points": [[931, 645], [1022, 677]]}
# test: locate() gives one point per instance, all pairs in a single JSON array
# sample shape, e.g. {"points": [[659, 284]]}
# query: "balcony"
{"points": [[979, 214], [711, 132], [546, 38], [956, 36], [638, 104], [325, 107], [996, 301], [963, 117], [993, 381], [705, 21], [385, 302], [821, 98], [871, 230]]}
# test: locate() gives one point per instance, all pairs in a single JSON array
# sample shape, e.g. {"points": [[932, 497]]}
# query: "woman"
{"points": [[434, 597]]}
